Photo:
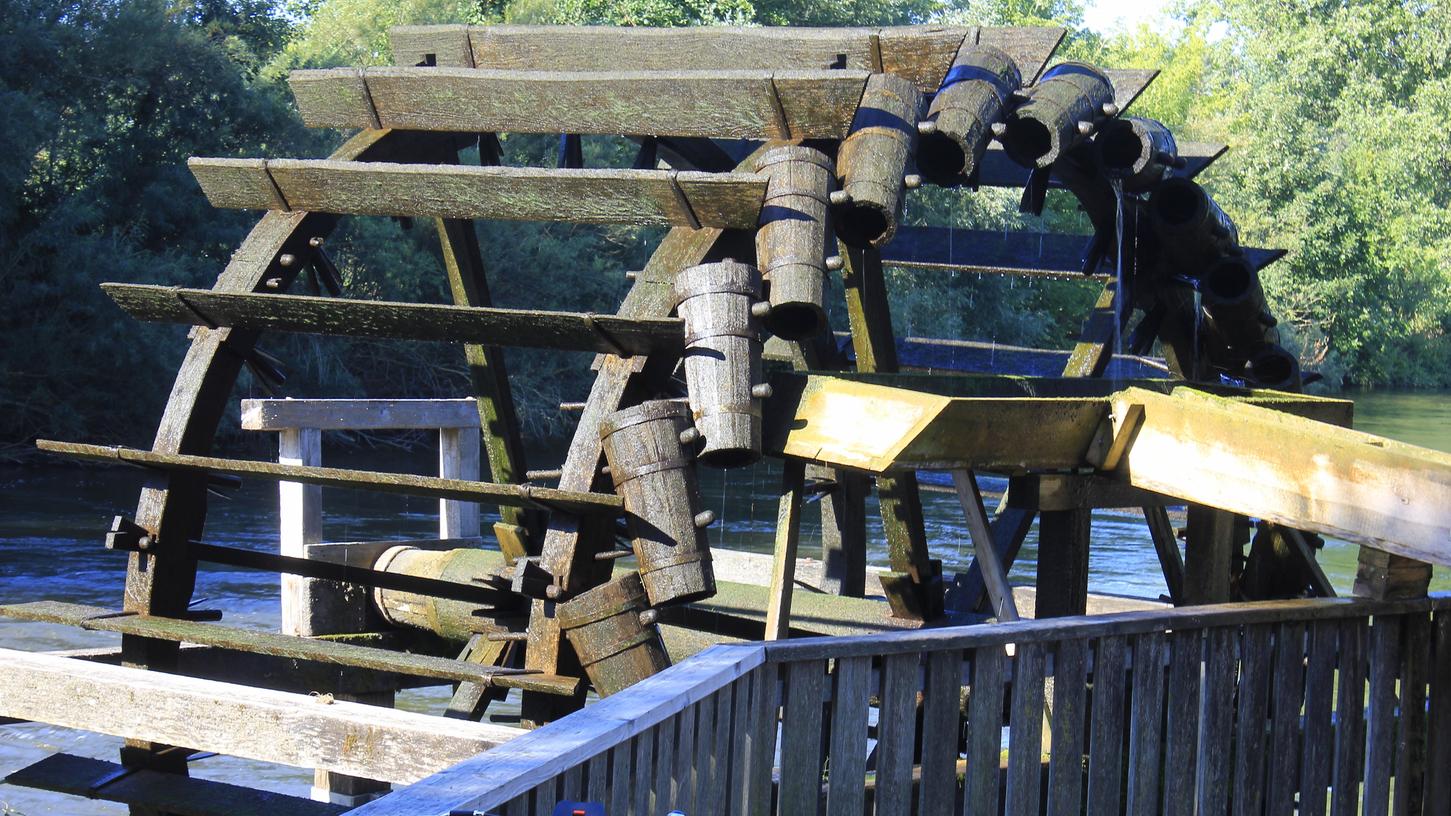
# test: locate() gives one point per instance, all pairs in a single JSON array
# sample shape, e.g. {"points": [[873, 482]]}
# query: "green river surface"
{"points": [[53, 518]]}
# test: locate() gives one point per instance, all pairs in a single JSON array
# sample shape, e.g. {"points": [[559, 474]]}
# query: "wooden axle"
{"points": [[723, 104], [643, 197], [525, 328]]}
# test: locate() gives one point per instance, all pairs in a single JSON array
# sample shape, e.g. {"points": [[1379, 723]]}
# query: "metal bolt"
{"points": [[648, 617], [761, 391], [999, 129]]}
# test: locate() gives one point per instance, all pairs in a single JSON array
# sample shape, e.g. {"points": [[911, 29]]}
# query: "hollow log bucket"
{"points": [[1191, 227], [723, 359], [614, 633], [972, 98], [1235, 302], [1047, 125], [1137, 151], [653, 472], [791, 243], [871, 164]]}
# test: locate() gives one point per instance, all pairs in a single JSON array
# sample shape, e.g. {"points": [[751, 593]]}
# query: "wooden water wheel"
{"points": [[839, 126]]}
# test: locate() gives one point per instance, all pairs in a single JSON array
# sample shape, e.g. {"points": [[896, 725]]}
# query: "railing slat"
{"points": [[1216, 720], [690, 770], [737, 781], [851, 686], [941, 733], [1065, 767], [761, 740], [1385, 646], [1349, 719], [985, 730], [1410, 786], [1025, 742], [1252, 719], [1146, 729], [643, 774], [1438, 749], [805, 691], [666, 739], [1182, 722], [1287, 697], [1318, 751], [896, 734], [718, 762], [572, 786], [597, 777], [1106, 740], [620, 786]]}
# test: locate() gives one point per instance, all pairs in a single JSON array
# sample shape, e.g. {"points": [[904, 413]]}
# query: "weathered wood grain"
{"points": [[1286, 699], [642, 197], [1181, 728], [526, 328], [896, 733], [1251, 720], [271, 726], [990, 668], [1319, 746], [804, 694], [1350, 718], [358, 414], [941, 732], [720, 104], [1216, 724], [1146, 725], [850, 693], [1438, 725], [1106, 742], [1065, 765], [1411, 736], [1025, 743], [1380, 714], [1029, 46]]}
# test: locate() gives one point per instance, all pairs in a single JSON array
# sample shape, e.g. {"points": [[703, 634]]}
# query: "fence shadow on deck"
{"points": [[1329, 706]]}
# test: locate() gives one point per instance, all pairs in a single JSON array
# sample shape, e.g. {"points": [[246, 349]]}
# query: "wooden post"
{"points": [[458, 458], [300, 511], [783, 564], [1062, 579], [1384, 577], [843, 531], [1208, 554]]}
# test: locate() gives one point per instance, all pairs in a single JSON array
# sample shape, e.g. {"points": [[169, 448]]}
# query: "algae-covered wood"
{"points": [[723, 104], [431, 486], [643, 197], [410, 321], [270, 726]]}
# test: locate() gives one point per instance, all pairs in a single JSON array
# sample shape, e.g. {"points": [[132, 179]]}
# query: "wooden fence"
{"points": [[1319, 706]]}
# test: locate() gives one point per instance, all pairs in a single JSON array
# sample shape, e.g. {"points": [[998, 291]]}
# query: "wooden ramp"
{"points": [[643, 197], [607, 334]]}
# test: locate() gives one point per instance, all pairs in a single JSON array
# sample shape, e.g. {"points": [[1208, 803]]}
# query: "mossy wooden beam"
{"points": [[642, 197], [724, 104], [269, 726], [511, 495], [412, 321], [1307, 475]]}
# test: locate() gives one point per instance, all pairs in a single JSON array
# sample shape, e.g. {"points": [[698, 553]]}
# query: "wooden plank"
{"points": [[896, 734], [997, 170], [1181, 734], [667, 735], [1381, 703], [334, 652], [1286, 699], [1410, 786], [1029, 46], [805, 692], [1216, 722], [941, 733], [922, 53], [783, 565], [1129, 83], [644, 770], [761, 740], [1438, 730], [735, 781], [1209, 549], [984, 730], [407, 484], [1146, 725], [308, 607], [1318, 753], [1025, 740], [1166, 546], [992, 570], [640, 197], [168, 793], [1106, 742], [570, 331], [690, 103], [1065, 766], [270, 726], [850, 691], [1349, 718], [1333, 481], [458, 458], [1251, 718], [622, 788], [358, 414]]}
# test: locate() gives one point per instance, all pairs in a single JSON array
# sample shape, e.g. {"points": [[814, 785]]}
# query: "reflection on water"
{"points": [[54, 518]]}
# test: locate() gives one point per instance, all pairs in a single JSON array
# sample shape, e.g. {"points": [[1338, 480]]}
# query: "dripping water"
{"points": [[1120, 298]]}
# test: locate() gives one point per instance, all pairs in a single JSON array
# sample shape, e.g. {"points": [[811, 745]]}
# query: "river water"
{"points": [[52, 520]]}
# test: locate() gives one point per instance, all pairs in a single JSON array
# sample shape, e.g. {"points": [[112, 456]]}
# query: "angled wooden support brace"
{"points": [[994, 575], [783, 564], [1171, 561]]}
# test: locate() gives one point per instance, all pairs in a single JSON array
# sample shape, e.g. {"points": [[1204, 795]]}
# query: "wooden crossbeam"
{"points": [[161, 792], [359, 414], [1306, 475], [412, 321], [1040, 254], [725, 104], [269, 726], [644, 197], [507, 495], [921, 53], [997, 170]]}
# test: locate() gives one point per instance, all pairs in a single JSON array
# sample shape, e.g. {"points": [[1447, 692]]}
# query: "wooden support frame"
{"points": [[783, 564], [990, 563]]}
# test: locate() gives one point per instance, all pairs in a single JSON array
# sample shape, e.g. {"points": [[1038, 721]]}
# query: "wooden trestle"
{"points": [[840, 422]]}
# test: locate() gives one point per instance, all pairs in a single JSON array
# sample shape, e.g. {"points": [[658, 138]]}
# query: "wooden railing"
{"points": [[1243, 708]]}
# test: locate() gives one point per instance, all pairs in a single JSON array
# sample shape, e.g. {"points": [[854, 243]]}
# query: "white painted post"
{"points": [[458, 458], [301, 516]]}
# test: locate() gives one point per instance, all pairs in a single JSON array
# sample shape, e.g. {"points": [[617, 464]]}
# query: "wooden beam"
{"points": [[1166, 546], [358, 414], [164, 792], [1311, 476], [722, 104], [997, 170], [641, 197], [1129, 83], [253, 723], [985, 551], [405, 483], [570, 331], [783, 564], [1064, 491]]}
